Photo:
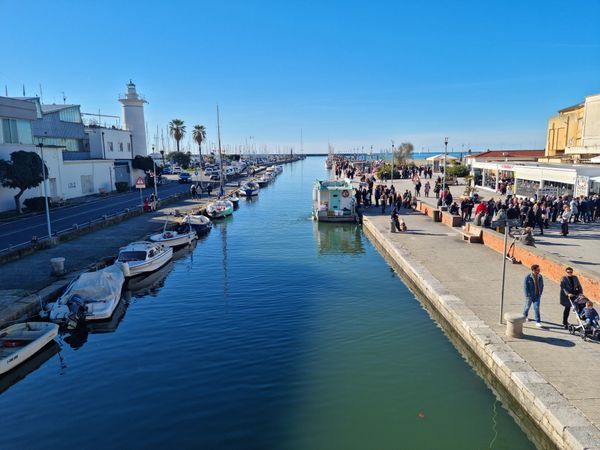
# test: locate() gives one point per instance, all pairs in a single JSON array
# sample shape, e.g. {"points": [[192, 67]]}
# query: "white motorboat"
{"points": [[184, 234], [219, 209], [91, 296], [249, 189], [233, 198], [199, 222], [264, 179], [21, 341], [143, 257]]}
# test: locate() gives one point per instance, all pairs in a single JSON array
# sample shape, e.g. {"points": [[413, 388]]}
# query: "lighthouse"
{"points": [[133, 119]]}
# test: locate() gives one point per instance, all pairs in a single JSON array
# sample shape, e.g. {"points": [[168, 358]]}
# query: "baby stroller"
{"points": [[583, 330]]}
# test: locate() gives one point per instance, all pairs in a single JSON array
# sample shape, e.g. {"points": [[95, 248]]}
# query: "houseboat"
{"points": [[333, 201]]}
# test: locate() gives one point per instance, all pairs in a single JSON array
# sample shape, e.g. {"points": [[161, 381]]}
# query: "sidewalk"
{"points": [[581, 246], [472, 273]]}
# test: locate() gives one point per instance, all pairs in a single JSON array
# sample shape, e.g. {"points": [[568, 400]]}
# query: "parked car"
{"points": [[177, 170], [216, 176], [185, 177]]}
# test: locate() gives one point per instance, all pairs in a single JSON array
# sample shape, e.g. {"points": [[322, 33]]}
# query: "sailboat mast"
{"points": [[220, 151]]}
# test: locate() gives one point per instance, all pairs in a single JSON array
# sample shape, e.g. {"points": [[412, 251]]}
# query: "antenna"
{"points": [[41, 94], [65, 100]]}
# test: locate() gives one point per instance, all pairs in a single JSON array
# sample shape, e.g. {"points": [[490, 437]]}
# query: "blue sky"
{"points": [[485, 74]]}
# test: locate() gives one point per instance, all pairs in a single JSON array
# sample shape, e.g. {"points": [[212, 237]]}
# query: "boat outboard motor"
{"points": [[77, 310]]}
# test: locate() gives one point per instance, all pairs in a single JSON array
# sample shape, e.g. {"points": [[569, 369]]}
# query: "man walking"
{"points": [[533, 288]]}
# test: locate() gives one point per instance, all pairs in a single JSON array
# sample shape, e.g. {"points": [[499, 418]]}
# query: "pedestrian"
{"points": [[565, 217], [383, 202], [193, 190], [570, 289], [209, 189], [427, 188], [153, 201], [533, 288]]}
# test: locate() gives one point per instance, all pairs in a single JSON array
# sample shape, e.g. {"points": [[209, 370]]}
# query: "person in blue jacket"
{"points": [[533, 288]]}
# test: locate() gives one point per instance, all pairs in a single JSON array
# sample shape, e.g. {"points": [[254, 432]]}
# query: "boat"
{"points": [[233, 198], [21, 341], [90, 296], [249, 188], [182, 235], [13, 376], [143, 257], [219, 209], [264, 179], [333, 201], [199, 222]]}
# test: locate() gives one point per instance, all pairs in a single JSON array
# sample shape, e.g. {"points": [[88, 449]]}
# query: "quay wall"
{"points": [[562, 424]]}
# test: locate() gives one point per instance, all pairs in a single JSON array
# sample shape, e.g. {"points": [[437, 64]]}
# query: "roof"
{"points": [[440, 156], [509, 153], [571, 108], [46, 109]]}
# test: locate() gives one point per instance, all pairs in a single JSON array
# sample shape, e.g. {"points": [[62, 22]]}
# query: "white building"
{"points": [[133, 118]]}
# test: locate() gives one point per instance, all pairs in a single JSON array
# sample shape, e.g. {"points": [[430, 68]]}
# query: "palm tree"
{"points": [[199, 135], [177, 130]]}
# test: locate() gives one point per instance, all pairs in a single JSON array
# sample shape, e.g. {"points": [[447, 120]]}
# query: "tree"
{"points": [[25, 170], [404, 153], [177, 130], [180, 158], [199, 135], [144, 163]]}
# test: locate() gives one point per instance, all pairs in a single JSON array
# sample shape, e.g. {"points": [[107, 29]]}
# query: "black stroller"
{"points": [[583, 330]]}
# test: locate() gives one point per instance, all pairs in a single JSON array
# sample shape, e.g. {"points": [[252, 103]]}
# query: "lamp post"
{"points": [[392, 174], [445, 157], [41, 146], [155, 176]]}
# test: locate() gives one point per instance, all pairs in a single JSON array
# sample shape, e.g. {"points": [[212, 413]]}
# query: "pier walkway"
{"points": [[472, 274]]}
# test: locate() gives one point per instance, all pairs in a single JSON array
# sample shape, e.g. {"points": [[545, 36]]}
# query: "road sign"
{"points": [[140, 183]]}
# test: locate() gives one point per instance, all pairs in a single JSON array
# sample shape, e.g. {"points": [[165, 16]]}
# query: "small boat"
{"points": [[143, 257], [91, 296], [264, 179], [249, 189], [333, 201], [199, 222], [21, 341], [233, 198], [219, 209], [182, 235]]}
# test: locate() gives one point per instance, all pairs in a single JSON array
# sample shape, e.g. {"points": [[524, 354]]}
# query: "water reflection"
{"points": [[336, 238], [32, 364]]}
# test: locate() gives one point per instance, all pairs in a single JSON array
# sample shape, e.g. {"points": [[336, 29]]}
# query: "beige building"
{"points": [[574, 134]]}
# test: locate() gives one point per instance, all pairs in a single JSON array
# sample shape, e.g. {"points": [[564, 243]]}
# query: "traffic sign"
{"points": [[140, 183]]}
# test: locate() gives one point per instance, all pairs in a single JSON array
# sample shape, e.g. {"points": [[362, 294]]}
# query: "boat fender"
{"points": [[345, 193], [125, 269], [11, 343]]}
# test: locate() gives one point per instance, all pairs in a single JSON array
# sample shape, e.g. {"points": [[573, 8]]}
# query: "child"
{"points": [[589, 314], [403, 226]]}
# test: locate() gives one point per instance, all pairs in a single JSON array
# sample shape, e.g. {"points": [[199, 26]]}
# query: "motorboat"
{"points": [[182, 235], [233, 198], [143, 257], [90, 296], [264, 179], [333, 201], [219, 209], [21, 341], [198, 222], [249, 189]]}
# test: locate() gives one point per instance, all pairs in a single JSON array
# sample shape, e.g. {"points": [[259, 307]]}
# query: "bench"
{"points": [[471, 237]]}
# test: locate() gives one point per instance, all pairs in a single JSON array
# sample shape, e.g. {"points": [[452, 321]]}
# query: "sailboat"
{"points": [[221, 207]]}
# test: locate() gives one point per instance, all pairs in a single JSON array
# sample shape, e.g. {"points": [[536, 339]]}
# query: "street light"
{"points": [[445, 156], [392, 174], [41, 146]]}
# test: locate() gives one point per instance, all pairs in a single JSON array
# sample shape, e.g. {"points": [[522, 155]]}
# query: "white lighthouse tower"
{"points": [[133, 119]]}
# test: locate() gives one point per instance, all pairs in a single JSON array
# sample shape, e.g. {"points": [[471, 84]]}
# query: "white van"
{"points": [[177, 170]]}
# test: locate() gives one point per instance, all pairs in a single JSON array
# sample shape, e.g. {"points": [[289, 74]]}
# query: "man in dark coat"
{"points": [[570, 288]]}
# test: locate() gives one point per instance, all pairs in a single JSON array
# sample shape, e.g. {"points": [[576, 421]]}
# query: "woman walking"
{"points": [[565, 217]]}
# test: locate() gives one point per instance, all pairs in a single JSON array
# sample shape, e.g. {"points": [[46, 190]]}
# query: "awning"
{"points": [[595, 179]]}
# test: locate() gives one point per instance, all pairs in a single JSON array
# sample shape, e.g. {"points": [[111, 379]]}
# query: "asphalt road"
{"points": [[19, 231]]}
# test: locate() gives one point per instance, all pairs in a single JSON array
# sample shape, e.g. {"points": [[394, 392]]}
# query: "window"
{"points": [[15, 131], [129, 147], [111, 147], [70, 145], [120, 146]]}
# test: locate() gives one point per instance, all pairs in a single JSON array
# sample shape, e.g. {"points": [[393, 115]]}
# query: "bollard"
{"points": [[514, 324], [58, 266]]}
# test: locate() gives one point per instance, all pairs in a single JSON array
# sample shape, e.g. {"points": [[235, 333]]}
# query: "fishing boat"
{"points": [[182, 235], [249, 189], [143, 257], [200, 223], [91, 296], [219, 209], [21, 341], [333, 201]]}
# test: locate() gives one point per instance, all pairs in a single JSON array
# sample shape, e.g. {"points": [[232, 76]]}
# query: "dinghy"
{"points": [[21, 341], [91, 296], [184, 234]]}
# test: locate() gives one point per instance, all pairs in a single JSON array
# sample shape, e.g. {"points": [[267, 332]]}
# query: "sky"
{"points": [[355, 74]]}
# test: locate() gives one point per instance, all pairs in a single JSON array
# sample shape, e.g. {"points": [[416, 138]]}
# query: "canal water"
{"points": [[274, 332]]}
